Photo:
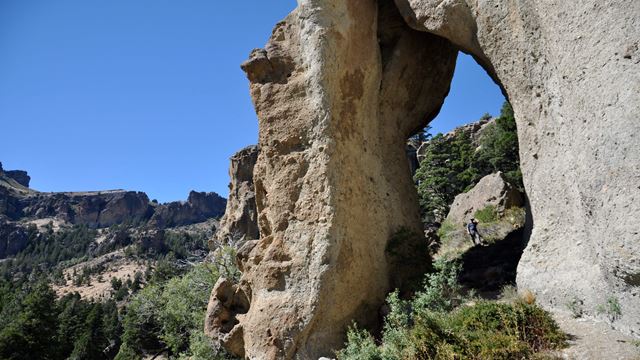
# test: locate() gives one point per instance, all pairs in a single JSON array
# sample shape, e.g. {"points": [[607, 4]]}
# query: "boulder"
{"points": [[240, 220], [492, 190]]}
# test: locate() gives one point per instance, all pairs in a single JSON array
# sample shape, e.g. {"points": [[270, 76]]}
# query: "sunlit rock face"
{"points": [[571, 71], [339, 88], [240, 220]]}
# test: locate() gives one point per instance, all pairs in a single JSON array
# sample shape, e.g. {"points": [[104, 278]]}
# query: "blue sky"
{"points": [[147, 94]]}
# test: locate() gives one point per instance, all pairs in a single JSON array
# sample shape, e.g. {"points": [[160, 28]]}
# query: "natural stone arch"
{"points": [[340, 86]]}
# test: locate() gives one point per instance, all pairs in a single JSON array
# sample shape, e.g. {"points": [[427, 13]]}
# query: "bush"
{"points": [[434, 325], [170, 315], [487, 215]]}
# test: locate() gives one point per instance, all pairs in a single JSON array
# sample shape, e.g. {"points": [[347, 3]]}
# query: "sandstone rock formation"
{"points": [[240, 220], [491, 190], [342, 84]]}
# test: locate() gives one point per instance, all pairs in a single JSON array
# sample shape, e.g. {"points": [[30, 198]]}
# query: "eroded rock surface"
{"points": [[240, 220], [336, 101], [572, 74], [492, 190], [342, 84]]}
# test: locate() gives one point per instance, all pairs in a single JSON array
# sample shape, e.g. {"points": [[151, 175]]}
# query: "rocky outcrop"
{"points": [[100, 209], [20, 176], [504, 210], [240, 220], [342, 84], [492, 190], [199, 207], [331, 97], [474, 131], [13, 238], [94, 209]]}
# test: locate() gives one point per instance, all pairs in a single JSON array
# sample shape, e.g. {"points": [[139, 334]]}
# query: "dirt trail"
{"points": [[594, 340]]}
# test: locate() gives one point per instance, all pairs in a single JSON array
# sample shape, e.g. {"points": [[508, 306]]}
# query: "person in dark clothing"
{"points": [[472, 229]]}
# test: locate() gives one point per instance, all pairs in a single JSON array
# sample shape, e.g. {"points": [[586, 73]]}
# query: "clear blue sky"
{"points": [[147, 94]]}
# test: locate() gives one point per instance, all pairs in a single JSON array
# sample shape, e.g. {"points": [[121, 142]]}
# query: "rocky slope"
{"points": [[20, 206]]}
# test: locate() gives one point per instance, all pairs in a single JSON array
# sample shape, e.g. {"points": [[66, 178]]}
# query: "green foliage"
{"points": [[169, 315], [487, 215], [453, 165], [36, 326], [445, 229], [611, 309], [48, 249], [360, 346], [434, 325], [441, 291], [445, 171]]}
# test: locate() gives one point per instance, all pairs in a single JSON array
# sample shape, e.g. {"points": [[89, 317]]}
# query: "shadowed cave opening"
{"points": [[465, 165]]}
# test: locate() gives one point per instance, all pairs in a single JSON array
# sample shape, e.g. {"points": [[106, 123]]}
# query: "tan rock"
{"points": [[575, 88], [342, 84], [491, 190], [240, 220]]}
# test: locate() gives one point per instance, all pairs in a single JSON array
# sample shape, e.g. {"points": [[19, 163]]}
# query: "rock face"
{"points": [[94, 209], [20, 176], [240, 220], [100, 209], [342, 84], [491, 190], [13, 239], [571, 71], [199, 207], [332, 105], [474, 130]]}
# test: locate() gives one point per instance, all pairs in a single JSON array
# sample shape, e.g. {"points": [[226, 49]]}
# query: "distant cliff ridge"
{"points": [[95, 209]]}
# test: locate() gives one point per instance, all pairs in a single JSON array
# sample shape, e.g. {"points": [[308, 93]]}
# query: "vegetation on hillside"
{"points": [[454, 165], [440, 322], [164, 314]]}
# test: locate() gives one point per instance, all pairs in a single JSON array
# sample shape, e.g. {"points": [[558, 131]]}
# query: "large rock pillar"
{"points": [[338, 89]]}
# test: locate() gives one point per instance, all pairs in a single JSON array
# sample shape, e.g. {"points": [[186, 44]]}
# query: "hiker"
{"points": [[472, 229]]}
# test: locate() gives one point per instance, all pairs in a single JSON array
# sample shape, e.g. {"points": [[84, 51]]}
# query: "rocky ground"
{"points": [[592, 339]]}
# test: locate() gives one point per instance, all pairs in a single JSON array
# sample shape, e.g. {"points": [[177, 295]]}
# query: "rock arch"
{"points": [[340, 86]]}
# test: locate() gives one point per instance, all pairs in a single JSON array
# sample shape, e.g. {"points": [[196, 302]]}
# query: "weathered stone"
{"points": [[336, 101], [574, 86], [240, 220], [491, 190], [227, 304], [340, 87]]}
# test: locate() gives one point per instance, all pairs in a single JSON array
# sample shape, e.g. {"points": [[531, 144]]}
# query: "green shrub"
{"points": [[611, 309], [434, 325], [487, 215], [360, 346]]}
